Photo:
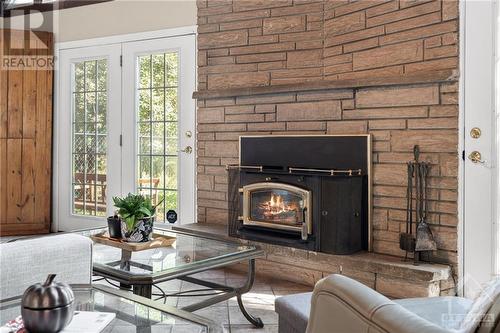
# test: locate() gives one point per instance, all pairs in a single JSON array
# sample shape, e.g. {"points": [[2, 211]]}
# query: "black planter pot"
{"points": [[114, 227]]}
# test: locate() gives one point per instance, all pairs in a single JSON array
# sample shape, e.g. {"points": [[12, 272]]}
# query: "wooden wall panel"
{"points": [[3, 101], [25, 140], [15, 105], [3, 179], [29, 103], [28, 180], [14, 176]]}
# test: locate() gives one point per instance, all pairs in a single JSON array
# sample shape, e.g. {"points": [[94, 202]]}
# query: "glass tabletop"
{"points": [[187, 253], [133, 313]]}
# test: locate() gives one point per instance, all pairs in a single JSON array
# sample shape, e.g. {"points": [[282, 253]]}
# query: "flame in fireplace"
{"points": [[278, 208], [276, 204]]}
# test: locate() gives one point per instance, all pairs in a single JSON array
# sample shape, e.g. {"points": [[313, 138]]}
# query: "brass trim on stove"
{"points": [[237, 166], [332, 172], [306, 195]]}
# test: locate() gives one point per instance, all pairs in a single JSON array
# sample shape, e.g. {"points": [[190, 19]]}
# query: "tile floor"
{"points": [[259, 301]]}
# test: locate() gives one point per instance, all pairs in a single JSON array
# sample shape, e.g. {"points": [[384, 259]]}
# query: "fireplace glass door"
{"points": [[276, 205]]}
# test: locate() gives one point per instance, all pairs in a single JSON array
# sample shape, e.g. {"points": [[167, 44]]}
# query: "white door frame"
{"points": [[57, 119], [478, 251]]}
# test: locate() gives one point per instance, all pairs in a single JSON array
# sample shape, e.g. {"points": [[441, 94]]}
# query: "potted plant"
{"points": [[137, 216]]}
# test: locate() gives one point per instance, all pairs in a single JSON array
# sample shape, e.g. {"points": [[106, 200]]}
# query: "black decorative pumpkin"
{"points": [[48, 307]]}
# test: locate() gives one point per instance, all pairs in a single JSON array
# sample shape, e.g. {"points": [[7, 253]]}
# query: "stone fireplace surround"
{"points": [[388, 68]]}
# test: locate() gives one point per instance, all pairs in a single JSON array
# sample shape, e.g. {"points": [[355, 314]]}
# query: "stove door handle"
{"points": [[304, 231]]}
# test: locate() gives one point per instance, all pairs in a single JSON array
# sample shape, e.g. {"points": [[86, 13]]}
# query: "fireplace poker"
{"points": [[406, 239], [425, 240]]}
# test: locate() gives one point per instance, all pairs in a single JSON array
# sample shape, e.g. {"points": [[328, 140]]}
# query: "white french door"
{"points": [[158, 137], [88, 152], [125, 124]]}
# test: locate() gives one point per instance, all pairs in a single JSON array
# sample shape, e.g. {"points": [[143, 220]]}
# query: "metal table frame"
{"points": [[142, 284], [211, 326]]}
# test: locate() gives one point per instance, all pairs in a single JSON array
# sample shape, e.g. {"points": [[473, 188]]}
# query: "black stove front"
{"points": [[308, 192]]}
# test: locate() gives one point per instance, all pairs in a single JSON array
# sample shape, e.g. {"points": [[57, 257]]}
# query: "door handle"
{"points": [[187, 150], [475, 157]]}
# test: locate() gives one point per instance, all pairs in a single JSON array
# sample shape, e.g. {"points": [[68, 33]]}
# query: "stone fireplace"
{"points": [[334, 67]]}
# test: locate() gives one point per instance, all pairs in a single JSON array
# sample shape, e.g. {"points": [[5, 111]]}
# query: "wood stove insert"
{"points": [[309, 192], [277, 206]]}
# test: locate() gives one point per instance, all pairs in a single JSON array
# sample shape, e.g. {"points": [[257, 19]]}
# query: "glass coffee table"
{"points": [[133, 313], [188, 255]]}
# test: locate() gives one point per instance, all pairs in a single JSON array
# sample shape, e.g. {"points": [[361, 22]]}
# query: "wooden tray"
{"points": [[158, 240]]}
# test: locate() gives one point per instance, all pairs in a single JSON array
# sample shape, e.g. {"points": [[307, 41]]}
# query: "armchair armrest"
{"points": [[340, 304]]}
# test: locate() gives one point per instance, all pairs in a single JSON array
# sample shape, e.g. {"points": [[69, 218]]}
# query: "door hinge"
{"points": [[121, 140], [463, 155], [121, 60]]}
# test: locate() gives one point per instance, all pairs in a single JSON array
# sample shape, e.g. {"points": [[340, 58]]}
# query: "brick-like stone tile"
{"points": [[408, 52], [284, 24], [327, 110]]}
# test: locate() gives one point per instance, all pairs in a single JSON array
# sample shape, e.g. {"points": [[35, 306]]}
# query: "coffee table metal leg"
{"points": [[144, 290], [229, 293], [256, 321]]}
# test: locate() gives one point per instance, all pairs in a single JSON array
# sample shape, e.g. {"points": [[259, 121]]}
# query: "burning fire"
{"points": [[276, 205], [280, 210]]}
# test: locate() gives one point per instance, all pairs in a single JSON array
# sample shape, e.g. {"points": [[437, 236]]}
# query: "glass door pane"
{"points": [[89, 137], [157, 129]]}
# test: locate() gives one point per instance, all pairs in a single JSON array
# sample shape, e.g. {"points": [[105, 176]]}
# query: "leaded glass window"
{"points": [[157, 129], [89, 139]]}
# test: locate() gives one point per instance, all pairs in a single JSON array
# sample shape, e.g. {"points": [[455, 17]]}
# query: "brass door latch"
{"points": [[187, 150], [475, 157]]}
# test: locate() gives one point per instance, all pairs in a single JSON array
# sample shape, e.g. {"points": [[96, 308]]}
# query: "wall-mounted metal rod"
{"points": [[237, 166], [332, 172]]}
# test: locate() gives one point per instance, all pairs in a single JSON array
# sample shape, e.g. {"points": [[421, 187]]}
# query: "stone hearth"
{"points": [[389, 275]]}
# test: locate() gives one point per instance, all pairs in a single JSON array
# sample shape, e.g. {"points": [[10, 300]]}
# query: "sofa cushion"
{"points": [[446, 312], [294, 309], [28, 261]]}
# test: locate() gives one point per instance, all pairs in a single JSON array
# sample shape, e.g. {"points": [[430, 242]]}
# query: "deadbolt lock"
{"points": [[475, 157], [189, 134], [187, 150], [475, 133]]}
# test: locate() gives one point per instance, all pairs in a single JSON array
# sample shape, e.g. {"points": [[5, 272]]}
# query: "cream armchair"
{"points": [[342, 305]]}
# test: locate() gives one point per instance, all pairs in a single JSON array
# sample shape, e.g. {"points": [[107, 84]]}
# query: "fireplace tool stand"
{"points": [[417, 240]]}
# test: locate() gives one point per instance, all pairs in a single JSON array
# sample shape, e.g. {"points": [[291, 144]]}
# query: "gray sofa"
{"points": [[28, 261], [339, 304]]}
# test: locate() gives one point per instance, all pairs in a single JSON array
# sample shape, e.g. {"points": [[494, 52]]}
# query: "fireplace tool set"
{"points": [[417, 239]]}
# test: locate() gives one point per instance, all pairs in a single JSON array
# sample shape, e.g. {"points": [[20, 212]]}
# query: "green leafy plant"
{"points": [[133, 208]]}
